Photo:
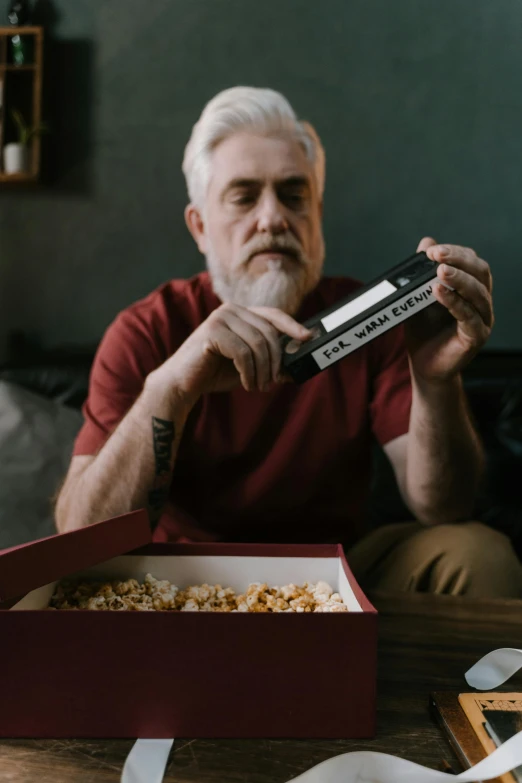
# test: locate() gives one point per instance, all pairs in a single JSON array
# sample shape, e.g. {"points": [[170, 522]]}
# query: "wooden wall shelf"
{"points": [[21, 88], [17, 68], [18, 177]]}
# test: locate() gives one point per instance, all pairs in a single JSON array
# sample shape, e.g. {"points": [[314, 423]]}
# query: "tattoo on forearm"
{"points": [[163, 435]]}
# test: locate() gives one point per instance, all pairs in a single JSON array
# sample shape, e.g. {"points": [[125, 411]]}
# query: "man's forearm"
{"points": [[134, 467], [445, 458]]}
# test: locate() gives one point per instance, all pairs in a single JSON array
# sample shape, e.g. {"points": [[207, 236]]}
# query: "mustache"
{"points": [[282, 243]]}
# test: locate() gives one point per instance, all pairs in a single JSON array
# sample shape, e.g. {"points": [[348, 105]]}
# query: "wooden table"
{"points": [[426, 644]]}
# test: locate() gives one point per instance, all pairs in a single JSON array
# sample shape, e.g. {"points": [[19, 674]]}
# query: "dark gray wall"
{"points": [[418, 103]]}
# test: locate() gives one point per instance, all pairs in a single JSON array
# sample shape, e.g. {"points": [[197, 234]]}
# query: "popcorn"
{"points": [[190, 606], [161, 595], [322, 592]]}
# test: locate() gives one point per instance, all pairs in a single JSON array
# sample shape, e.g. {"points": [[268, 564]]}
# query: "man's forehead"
{"points": [[245, 156]]}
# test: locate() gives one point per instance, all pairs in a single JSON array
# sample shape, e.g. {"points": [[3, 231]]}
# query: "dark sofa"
{"points": [[41, 394]]}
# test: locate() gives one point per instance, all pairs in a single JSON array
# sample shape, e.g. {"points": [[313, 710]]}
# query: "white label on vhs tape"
{"points": [[358, 305], [377, 324]]}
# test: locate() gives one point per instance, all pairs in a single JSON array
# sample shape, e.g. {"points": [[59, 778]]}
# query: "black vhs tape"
{"points": [[368, 312]]}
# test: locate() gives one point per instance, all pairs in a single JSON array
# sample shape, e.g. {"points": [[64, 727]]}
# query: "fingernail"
{"points": [[447, 271], [443, 250], [314, 332]]}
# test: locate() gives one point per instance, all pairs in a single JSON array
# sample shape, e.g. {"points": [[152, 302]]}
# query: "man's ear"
{"points": [[196, 226]]}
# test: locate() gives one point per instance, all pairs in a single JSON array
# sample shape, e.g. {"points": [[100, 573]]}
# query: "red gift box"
{"points": [[181, 674]]}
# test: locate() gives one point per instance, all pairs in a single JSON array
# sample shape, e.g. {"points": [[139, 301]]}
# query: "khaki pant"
{"points": [[468, 558]]}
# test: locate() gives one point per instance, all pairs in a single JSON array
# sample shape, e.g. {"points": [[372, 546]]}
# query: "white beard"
{"points": [[274, 288]]}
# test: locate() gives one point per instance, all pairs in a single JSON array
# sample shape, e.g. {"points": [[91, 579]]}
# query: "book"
{"points": [[500, 726], [477, 723]]}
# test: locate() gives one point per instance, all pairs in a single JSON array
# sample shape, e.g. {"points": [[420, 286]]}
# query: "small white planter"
{"points": [[16, 159]]}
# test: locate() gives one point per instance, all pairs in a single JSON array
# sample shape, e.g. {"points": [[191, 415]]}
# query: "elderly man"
{"points": [[188, 413]]}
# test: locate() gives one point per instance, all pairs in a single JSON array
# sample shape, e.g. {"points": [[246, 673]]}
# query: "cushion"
{"points": [[36, 441]]}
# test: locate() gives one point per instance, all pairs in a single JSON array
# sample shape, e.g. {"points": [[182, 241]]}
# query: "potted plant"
{"points": [[16, 155]]}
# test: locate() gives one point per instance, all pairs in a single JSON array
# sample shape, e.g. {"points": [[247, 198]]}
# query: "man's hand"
{"points": [[234, 345], [436, 353]]}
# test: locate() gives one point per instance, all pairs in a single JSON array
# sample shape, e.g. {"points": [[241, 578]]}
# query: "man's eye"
{"points": [[243, 200], [295, 199]]}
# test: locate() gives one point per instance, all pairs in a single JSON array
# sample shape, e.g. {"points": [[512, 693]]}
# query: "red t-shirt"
{"points": [[291, 465]]}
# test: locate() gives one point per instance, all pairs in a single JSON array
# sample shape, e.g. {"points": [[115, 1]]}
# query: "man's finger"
{"points": [[259, 348], [283, 322], [470, 323], [272, 339], [425, 243], [463, 258], [470, 289], [233, 347]]}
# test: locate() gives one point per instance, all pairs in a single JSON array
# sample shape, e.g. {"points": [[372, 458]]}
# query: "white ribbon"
{"points": [[147, 761], [371, 767], [148, 758], [494, 668]]}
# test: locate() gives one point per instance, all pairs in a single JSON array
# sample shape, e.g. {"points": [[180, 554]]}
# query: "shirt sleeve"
{"points": [[391, 398], [126, 355]]}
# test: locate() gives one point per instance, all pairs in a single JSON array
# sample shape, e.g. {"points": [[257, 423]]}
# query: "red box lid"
{"points": [[28, 566]]}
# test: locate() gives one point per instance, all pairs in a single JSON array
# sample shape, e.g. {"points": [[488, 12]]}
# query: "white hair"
{"points": [[245, 108]]}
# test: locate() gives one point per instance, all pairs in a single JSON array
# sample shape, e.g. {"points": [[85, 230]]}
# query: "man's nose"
{"points": [[271, 215]]}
